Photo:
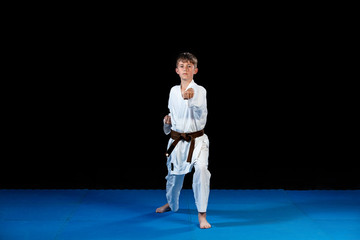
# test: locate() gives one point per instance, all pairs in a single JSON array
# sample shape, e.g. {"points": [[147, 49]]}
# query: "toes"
{"points": [[163, 209], [205, 226], [159, 210]]}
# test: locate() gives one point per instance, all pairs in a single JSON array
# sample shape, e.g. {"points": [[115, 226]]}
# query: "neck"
{"points": [[185, 83]]}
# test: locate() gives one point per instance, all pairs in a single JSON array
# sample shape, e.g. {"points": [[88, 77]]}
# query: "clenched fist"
{"points": [[188, 94], [167, 119]]}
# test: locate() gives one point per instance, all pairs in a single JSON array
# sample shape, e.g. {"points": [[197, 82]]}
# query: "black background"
{"points": [[87, 96]]}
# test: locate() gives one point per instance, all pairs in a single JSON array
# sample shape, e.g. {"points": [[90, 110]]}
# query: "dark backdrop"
{"points": [[86, 104]]}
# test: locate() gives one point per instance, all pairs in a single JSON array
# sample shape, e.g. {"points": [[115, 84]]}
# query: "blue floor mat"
{"points": [[130, 214]]}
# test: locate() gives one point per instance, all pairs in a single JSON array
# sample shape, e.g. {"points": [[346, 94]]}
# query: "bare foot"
{"points": [[202, 221], [164, 208]]}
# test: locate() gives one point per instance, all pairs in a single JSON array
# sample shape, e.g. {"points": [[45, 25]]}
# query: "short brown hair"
{"points": [[185, 57]]}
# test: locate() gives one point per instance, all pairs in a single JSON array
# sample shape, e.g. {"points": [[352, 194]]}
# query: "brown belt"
{"points": [[189, 137]]}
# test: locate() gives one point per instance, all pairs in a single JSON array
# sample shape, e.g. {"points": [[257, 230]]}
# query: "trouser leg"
{"points": [[201, 181], [173, 187]]}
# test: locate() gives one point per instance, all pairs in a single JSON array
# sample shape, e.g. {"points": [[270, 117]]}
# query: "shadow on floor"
{"points": [[231, 218]]}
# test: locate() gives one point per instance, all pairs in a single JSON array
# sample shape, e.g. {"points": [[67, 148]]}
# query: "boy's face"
{"points": [[186, 70]]}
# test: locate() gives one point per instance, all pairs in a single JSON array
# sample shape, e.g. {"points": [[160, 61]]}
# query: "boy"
{"points": [[188, 145]]}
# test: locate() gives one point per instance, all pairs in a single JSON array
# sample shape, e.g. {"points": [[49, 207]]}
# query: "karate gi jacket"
{"points": [[186, 116]]}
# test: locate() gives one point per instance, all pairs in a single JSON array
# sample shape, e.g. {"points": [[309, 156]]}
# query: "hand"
{"points": [[167, 119], [188, 94]]}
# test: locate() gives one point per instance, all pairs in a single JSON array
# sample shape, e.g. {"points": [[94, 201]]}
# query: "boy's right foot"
{"points": [[163, 209]]}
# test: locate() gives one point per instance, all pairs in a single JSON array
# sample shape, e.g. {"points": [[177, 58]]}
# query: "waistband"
{"points": [[189, 137]]}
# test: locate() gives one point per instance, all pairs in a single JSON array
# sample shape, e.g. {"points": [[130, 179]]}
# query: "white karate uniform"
{"points": [[188, 116]]}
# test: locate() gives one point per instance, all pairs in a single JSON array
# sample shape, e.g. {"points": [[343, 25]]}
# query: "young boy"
{"points": [[188, 146]]}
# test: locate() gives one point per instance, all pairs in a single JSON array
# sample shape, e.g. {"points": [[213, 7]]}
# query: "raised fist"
{"points": [[188, 94]]}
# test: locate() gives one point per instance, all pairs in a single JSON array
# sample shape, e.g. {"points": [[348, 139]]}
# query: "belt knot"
{"points": [[185, 137]]}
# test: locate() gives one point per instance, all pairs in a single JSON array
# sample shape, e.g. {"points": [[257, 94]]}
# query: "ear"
{"points": [[196, 70], [177, 70]]}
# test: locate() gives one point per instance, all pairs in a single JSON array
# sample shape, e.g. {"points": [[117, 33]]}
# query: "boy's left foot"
{"points": [[202, 221]]}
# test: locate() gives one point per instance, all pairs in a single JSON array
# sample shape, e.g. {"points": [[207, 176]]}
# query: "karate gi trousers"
{"points": [[200, 185]]}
